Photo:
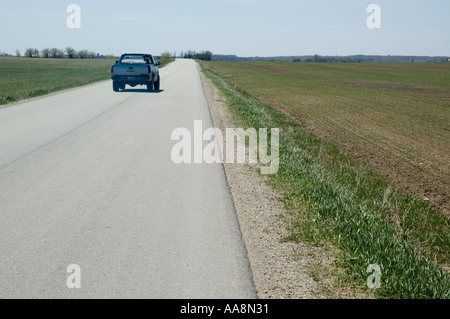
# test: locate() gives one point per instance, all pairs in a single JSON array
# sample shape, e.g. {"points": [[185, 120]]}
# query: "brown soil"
{"points": [[403, 169], [408, 147]]}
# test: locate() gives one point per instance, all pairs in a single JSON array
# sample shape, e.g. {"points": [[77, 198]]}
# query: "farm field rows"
{"points": [[393, 117]]}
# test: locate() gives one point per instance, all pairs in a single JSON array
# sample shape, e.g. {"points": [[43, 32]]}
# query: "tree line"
{"points": [[56, 53], [204, 55], [335, 59]]}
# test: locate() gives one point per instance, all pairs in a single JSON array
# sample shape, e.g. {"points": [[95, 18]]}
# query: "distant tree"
{"points": [[54, 53], [316, 58], [36, 53], [165, 58], [45, 53], [29, 53], [83, 54], [60, 54], [86, 54], [205, 56], [71, 52], [18, 53], [190, 54]]}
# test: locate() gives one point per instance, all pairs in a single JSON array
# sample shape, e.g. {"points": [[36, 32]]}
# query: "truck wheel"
{"points": [[116, 86], [150, 86], [157, 84]]}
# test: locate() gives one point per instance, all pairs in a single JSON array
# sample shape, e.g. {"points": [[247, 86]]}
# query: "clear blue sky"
{"points": [[241, 27]]}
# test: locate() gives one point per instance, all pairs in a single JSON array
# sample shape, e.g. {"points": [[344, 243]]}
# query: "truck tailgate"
{"points": [[130, 70]]}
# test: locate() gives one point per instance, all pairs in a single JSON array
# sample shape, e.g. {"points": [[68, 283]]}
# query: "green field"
{"points": [[337, 123], [23, 78]]}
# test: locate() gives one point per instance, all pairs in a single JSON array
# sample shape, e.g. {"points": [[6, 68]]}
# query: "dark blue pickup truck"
{"points": [[135, 69]]}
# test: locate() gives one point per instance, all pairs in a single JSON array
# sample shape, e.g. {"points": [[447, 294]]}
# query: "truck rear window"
{"points": [[136, 59]]}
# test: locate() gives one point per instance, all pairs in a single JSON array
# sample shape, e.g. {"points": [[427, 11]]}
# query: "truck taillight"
{"points": [[112, 68], [149, 69]]}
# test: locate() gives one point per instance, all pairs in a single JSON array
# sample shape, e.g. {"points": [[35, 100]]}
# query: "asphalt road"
{"points": [[86, 178]]}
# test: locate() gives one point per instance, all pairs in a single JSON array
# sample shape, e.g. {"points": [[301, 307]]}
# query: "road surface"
{"points": [[86, 179]]}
